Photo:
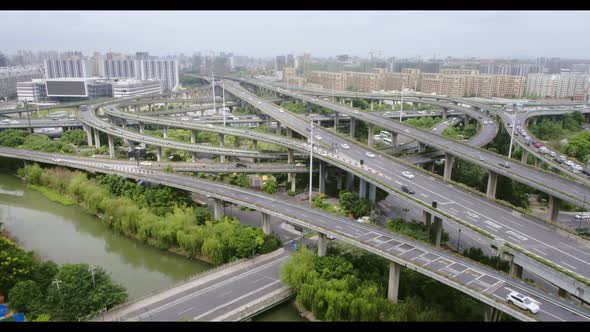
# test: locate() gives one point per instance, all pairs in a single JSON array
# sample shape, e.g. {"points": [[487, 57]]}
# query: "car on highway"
{"points": [[209, 125], [184, 119], [582, 216], [344, 146], [408, 190], [260, 102], [281, 111], [408, 174], [537, 145], [145, 163], [370, 154], [299, 165], [523, 302], [240, 165], [318, 137], [356, 112], [504, 164], [434, 129]]}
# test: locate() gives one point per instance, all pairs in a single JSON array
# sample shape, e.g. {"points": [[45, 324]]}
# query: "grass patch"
{"points": [[53, 195]]}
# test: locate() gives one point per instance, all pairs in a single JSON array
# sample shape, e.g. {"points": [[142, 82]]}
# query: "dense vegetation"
{"points": [[568, 127], [460, 132], [426, 122], [30, 288], [15, 138], [353, 205], [161, 217], [350, 284]]}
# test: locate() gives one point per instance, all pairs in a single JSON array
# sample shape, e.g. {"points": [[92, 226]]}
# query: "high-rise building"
{"points": [[360, 81], [570, 85], [121, 68], [67, 66], [290, 61], [164, 70], [280, 62], [328, 80], [514, 69]]}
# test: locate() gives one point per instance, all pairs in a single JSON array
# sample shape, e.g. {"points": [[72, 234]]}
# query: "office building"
{"points": [[11, 76], [64, 89], [31, 91]]}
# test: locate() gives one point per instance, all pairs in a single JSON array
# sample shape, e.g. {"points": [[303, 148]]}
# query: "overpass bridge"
{"points": [[487, 285]]}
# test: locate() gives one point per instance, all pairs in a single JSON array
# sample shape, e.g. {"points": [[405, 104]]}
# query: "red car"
{"points": [[537, 145]]}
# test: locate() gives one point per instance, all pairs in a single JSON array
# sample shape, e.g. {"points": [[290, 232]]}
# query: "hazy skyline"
{"points": [[483, 34]]}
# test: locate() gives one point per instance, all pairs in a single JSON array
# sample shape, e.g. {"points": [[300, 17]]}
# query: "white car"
{"points": [[434, 129], [299, 165], [184, 119], [260, 102], [523, 302], [344, 146], [281, 111], [356, 112], [145, 163], [370, 154], [318, 137], [408, 174], [209, 125], [582, 216]]}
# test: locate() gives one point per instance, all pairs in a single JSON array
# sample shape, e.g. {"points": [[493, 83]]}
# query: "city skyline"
{"points": [[480, 34]]}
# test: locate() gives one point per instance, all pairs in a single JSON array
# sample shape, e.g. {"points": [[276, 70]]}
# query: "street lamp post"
{"points": [[223, 100], [213, 87], [401, 110], [91, 270], [310, 161], [459, 241], [513, 126]]}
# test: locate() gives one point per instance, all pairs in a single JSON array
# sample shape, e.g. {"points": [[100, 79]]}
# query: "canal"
{"points": [[67, 234]]}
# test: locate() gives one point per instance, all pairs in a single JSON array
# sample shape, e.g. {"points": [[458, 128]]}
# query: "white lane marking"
{"points": [[398, 182], [237, 299], [543, 253], [423, 195], [578, 250], [491, 224], [513, 238], [473, 215], [187, 310], [566, 264], [518, 235]]}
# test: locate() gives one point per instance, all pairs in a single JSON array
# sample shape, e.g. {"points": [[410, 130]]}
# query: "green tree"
{"points": [[23, 295], [270, 186], [76, 137], [13, 137], [15, 264], [78, 297]]}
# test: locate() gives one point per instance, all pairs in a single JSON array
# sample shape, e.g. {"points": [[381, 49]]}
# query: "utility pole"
{"points": [[402, 105], [310, 161], [28, 116], [213, 86]]}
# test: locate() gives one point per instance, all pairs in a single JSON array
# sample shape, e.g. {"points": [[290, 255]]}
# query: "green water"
{"points": [[67, 234]]}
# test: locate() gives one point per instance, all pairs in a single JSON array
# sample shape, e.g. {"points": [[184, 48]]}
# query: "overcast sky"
{"points": [[322, 33]]}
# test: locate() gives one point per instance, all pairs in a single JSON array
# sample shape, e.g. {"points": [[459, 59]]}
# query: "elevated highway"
{"points": [[480, 282]]}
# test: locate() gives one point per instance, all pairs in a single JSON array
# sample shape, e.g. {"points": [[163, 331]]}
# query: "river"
{"points": [[67, 234]]}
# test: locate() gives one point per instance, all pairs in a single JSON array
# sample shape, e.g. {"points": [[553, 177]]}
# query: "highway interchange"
{"points": [[517, 229]]}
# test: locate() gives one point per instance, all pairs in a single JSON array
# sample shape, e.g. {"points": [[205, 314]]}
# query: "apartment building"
{"points": [[73, 66], [328, 80], [512, 69], [288, 73], [566, 85], [363, 82]]}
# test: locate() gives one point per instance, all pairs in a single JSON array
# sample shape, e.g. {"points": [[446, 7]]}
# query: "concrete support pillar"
{"points": [[467, 119], [491, 314], [159, 153], [278, 128], [537, 162], [438, 227], [492, 184], [444, 113], [372, 194], [370, 138], [352, 123], [515, 270], [336, 121], [111, 146], [221, 144], [290, 156], [217, 208], [254, 144], [553, 212], [322, 244], [193, 136], [141, 127], [449, 161], [351, 103], [421, 147], [393, 286], [293, 182], [525, 156], [349, 182], [289, 132], [194, 157], [97, 138], [266, 223], [426, 218], [371, 105], [88, 131], [339, 183], [165, 132], [362, 188], [380, 101], [393, 139], [322, 177]]}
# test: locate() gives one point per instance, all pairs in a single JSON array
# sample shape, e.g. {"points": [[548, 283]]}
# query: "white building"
{"points": [[163, 70], [11, 76], [128, 87], [68, 67], [31, 91]]}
